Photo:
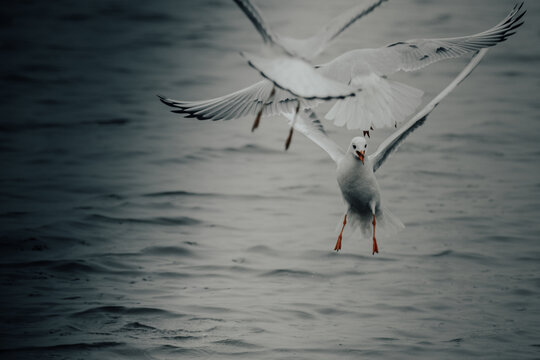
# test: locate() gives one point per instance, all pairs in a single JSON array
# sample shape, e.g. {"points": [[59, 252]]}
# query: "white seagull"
{"points": [[355, 169], [381, 103], [286, 60]]}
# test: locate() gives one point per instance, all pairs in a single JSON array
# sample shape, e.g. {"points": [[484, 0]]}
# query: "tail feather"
{"points": [[387, 224]]}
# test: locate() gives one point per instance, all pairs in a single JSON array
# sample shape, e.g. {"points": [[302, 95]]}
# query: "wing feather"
{"points": [[393, 141], [309, 124], [415, 54], [238, 104]]}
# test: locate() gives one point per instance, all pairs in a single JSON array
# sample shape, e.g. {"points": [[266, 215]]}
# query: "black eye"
{"points": [[365, 146], [354, 146]]}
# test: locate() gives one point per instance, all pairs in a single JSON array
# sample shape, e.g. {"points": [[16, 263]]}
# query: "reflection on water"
{"points": [[129, 232]]}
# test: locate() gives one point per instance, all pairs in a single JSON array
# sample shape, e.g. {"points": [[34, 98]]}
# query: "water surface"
{"points": [[128, 232]]}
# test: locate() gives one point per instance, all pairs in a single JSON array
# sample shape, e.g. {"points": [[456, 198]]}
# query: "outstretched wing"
{"points": [[309, 124], [393, 141], [254, 15], [311, 47], [415, 54], [245, 102]]}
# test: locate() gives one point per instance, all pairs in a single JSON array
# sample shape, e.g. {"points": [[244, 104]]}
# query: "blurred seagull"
{"points": [[381, 103], [285, 60], [355, 169]]}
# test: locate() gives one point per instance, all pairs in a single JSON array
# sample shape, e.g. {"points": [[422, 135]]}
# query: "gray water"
{"points": [[128, 232]]}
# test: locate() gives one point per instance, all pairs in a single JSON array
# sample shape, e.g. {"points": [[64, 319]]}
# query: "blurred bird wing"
{"points": [[245, 102], [314, 45], [393, 141], [309, 124], [415, 54], [254, 15], [298, 77]]}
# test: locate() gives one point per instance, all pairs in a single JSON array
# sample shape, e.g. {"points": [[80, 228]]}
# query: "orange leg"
{"points": [[375, 247], [338, 243]]}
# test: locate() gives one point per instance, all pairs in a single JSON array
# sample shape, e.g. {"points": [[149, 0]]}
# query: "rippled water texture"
{"points": [[128, 232]]}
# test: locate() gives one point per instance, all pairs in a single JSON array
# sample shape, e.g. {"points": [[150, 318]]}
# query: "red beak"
{"points": [[361, 155]]}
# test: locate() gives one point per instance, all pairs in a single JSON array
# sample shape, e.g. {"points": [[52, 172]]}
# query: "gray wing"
{"points": [[393, 141], [309, 124], [254, 15], [268, 36], [314, 45], [241, 103], [415, 54]]}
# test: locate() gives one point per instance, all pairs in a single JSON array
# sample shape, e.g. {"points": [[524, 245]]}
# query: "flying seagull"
{"points": [[356, 170]]}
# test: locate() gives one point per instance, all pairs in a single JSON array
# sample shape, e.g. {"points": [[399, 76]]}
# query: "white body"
{"points": [[358, 186], [362, 194]]}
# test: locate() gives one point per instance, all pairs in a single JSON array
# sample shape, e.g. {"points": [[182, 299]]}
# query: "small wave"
{"points": [[167, 251], [168, 221], [236, 343], [180, 193], [123, 310], [76, 346], [198, 353], [182, 337], [81, 266], [324, 254], [292, 273], [183, 193], [332, 311], [461, 255], [263, 249], [112, 121], [137, 326], [78, 266], [523, 292], [250, 148], [442, 253], [385, 339]]}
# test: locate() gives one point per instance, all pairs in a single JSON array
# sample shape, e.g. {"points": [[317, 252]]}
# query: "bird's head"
{"points": [[358, 148]]}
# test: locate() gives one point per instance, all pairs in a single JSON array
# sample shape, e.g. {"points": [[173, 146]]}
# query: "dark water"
{"points": [[130, 233]]}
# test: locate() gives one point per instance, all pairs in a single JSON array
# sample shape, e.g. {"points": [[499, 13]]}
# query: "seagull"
{"points": [[281, 52], [356, 170], [286, 60], [381, 103]]}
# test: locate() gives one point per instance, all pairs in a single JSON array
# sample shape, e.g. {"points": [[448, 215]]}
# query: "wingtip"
{"points": [[164, 99]]}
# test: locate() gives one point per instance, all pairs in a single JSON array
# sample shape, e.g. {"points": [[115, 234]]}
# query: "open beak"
{"points": [[361, 155]]}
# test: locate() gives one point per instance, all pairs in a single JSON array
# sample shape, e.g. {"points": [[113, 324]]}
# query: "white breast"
{"points": [[358, 184]]}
